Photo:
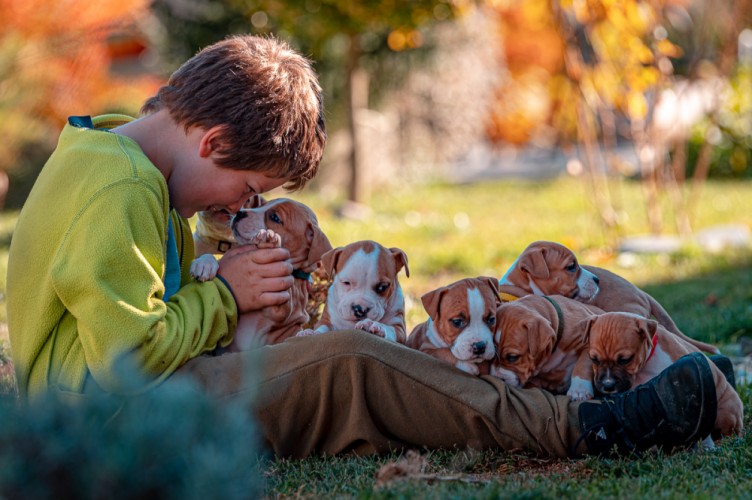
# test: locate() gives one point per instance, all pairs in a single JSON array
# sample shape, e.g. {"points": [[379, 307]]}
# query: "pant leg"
{"points": [[350, 391]]}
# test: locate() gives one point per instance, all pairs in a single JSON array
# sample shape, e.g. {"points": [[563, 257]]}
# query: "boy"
{"points": [[98, 271], [103, 246]]}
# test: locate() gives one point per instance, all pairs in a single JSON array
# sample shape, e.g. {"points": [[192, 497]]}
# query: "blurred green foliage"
{"points": [[172, 443], [730, 132]]}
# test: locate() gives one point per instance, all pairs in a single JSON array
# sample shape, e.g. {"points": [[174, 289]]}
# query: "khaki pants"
{"points": [[350, 391]]}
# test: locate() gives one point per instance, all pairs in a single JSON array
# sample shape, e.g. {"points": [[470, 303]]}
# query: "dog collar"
{"points": [[301, 275], [560, 315], [652, 351], [221, 245]]}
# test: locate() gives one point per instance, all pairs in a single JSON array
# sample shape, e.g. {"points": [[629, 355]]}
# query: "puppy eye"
{"points": [[346, 282], [381, 288], [491, 319], [512, 358], [457, 322], [571, 267], [274, 217], [595, 361], [625, 361]]}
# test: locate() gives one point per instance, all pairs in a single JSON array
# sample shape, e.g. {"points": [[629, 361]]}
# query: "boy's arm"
{"points": [[108, 274]]}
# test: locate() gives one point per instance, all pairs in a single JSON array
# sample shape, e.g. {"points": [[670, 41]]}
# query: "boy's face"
{"points": [[215, 188], [197, 182]]}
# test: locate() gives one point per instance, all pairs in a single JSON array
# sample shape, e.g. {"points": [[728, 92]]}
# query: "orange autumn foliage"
{"points": [[55, 61]]}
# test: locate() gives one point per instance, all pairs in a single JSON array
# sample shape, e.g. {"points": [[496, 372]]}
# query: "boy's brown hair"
{"points": [[267, 97]]}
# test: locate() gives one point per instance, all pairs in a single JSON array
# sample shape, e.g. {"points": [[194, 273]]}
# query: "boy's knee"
{"points": [[346, 342]]}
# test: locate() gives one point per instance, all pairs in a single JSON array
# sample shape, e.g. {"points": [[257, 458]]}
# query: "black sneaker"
{"points": [[726, 366], [675, 409]]}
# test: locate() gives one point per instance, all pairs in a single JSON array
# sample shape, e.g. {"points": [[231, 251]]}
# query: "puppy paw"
{"points": [[266, 238], [371, 326], [204, 268], [507, 376], [468, 367], [580, 389], [307, 333]]}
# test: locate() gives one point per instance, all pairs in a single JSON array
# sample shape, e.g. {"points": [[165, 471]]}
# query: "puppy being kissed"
{"points": [[628, 350], [541, 342], [365, 293], [461, 324], [213, 234], [548, 268], [279, 222]]}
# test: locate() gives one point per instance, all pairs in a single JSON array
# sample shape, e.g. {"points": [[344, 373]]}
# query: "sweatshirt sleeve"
{"points": [[108, 274]]}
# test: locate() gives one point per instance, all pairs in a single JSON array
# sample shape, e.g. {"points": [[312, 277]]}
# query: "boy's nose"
{"points": [[235, 207]]}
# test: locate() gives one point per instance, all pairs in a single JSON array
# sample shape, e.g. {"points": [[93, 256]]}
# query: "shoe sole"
{"points": [[707, 423]]}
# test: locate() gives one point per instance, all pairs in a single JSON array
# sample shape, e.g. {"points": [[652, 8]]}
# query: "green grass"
{"points": [[450, 232]]}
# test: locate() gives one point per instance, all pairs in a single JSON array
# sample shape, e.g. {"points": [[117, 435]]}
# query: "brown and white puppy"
{"points": [[549, 268], [365, 293], [541, 342], [213, 234], [294, 226], [628, 350], [461, 324]]}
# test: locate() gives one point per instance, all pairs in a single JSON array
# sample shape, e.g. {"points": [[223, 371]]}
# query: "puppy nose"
{"points": [[597, 280], [608, 386], [359, 311], [237, 218], [479, 347]]}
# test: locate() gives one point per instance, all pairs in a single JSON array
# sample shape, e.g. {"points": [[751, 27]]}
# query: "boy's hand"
{"points": [[258, 277]]}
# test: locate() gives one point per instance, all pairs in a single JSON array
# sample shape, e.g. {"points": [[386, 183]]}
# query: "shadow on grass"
{"points": [[714, 306]]}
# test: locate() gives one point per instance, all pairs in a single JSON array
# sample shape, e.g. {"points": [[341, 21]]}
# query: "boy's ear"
{"points": [[211, 141]]}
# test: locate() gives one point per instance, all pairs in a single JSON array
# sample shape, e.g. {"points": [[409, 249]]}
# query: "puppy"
{"points": [[279, 222], [461, 324], [548, 268], [628, 350], [365, 293], [541, 343], [213, 234]]}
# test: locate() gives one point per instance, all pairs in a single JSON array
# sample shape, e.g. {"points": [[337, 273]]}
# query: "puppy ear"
{"points": [[494, 284], [318, 243], [329, 261], [431, 301], [586, 325], [534, 263], [647, 328], [544, 335], [255, 201], [400, 258]]}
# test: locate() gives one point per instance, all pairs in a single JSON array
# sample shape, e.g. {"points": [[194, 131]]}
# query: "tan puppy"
{"points": [[461, 324], [213, 234], [292, 225], [548, 268], [628, 350], [365, 293], [541, 342]]}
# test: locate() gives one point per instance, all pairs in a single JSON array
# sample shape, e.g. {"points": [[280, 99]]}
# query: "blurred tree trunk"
{"points": [[357, 99]]}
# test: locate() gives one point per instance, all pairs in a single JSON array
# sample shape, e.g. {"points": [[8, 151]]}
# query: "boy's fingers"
{"points": [[277, 270], [281, 284], [274, 298], [269, 255]]}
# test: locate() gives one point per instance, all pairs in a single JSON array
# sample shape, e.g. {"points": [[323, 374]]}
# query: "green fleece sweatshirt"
{"points": [[86, 272]]}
